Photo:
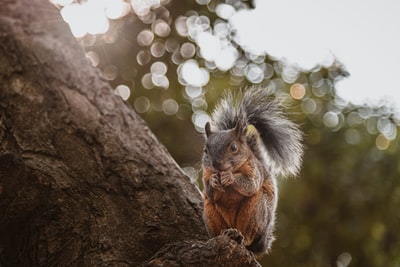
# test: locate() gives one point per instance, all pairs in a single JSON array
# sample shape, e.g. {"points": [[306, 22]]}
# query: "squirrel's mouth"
{"points": [[232, 165]]}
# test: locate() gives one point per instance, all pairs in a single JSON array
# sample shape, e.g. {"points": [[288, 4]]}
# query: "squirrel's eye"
{"points": [[233, 147]]}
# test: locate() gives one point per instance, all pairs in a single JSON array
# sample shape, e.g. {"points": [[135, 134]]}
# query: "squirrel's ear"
{"points": [[240, 128], [208, 129], [251, 131]]}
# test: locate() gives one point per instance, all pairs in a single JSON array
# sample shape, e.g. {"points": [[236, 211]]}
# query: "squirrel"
{"points": [[248, 143]]}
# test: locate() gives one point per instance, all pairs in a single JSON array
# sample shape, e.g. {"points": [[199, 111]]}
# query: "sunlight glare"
{"points": [[311, 33], [226, 57], [209, 45], [62, 2], [88, 17], [142, 8], [117, 9], [225, 11], [213, 49], [192, 74]]}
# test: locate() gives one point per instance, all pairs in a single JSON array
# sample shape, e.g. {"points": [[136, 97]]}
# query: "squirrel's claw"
{"points": [[227, 178], [216, 183]]}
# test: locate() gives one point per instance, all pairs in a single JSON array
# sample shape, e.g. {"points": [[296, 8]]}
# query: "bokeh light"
{"points": [[309, 106], [123, 91], [145, 38], [188, 50], [161, 28], [117, 9], [157, 49], [192, 74], [354, 119], [203, 2], [225, 11], [160, 81], [331, 119], [352, 137], [387, 128], [141, 104], [371, 125], [199, 104], [193, 91], [382, 143], [209, 45], [343, 259], [142, 8], [147, 81], [86, 17], [170, 106], [254, 73], [297, 91], [143, 57], [158, 68], [181, 26], [290, 74], [199, 119], [110, 72]]}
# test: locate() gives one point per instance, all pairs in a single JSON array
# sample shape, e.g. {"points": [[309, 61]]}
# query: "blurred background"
{"points": [[171, 61]]}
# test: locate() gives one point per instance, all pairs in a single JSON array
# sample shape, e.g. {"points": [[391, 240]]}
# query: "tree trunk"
{"points": [[83, 182]]}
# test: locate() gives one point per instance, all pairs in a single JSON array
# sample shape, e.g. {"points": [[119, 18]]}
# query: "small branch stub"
{"points": [[227, 249]]}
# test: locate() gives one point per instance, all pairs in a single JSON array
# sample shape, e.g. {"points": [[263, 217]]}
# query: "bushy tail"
{"points": [[280, 136]]}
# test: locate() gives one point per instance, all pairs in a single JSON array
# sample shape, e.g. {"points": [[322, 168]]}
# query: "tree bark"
{"points": [[83, 182]]}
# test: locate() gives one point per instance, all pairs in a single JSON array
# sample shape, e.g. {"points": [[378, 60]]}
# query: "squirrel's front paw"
{"points": [[234, 234], [227, 178], [215, 182]]}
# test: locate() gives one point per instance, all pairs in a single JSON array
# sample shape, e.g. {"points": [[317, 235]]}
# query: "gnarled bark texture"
{"points": [[83, 182]]}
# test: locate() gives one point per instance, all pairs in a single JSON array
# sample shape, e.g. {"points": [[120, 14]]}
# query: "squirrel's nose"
{"points": [[217, 165]]}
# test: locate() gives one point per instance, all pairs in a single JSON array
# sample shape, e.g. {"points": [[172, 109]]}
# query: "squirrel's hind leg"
{"points": [[261, 244], [212, 218], [259, 226]]}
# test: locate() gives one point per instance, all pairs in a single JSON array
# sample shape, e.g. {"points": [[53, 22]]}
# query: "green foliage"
{"points": [[344, 207], [344, 204]]}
